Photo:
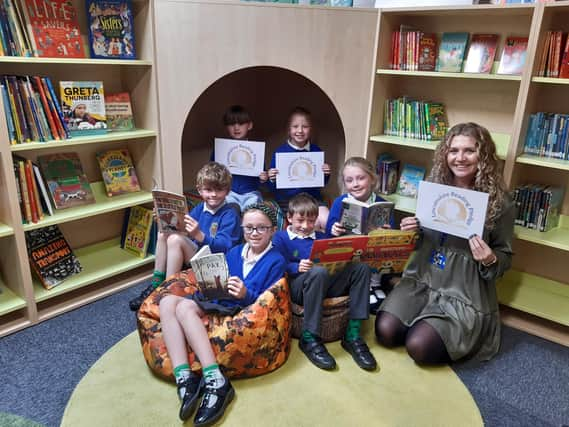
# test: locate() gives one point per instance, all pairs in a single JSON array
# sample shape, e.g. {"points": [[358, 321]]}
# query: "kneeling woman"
{"points": [[253, 267], [445, 307]]}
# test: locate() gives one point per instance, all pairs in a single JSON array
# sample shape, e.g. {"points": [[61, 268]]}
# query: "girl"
{"points": [[254, 267], [360, 181], [299, 133], [445, 307]]}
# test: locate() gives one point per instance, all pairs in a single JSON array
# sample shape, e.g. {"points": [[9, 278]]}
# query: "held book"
{"points": [[119, 112], [170, 210], [83, 105], [118, 172], [211, 272], [361, 218], [481, 53], [138, 231]]}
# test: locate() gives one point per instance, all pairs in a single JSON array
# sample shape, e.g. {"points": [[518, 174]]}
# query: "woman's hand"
{"points": [[337, 229], [481, 252], [273, 172], [193, 228], [409, 223], [236, 287], [304, 265]]}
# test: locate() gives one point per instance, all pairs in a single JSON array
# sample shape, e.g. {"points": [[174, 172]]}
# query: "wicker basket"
{"points": [[335, 315]]}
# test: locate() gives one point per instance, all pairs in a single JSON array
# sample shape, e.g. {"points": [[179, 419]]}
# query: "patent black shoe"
{"points": [[360, 353], [317, 353], [191, 389], [213, 404], [135, 303]]}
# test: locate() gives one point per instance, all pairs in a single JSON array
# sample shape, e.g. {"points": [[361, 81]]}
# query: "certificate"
{"points": [[297, 170], [452, 210], [241, 157]]}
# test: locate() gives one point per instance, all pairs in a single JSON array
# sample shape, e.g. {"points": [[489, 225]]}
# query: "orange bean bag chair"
{"points": [[253, 342]]}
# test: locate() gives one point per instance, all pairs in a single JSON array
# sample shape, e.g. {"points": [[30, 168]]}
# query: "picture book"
{"points": [[170, 210], [119, 112], [211, 273], [428, 52], [51, 256], [481, 53], [386, 251], [65, 179], [361, 218], [53, 28], [388, 173], [137, 235], [83, 105], [513, 56], [451, 52], [111, 31], [118, 172], [437, 121], [409, 180]]}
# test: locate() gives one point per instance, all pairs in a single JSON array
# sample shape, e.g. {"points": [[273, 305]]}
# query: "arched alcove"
{"points": [[269, 93]]}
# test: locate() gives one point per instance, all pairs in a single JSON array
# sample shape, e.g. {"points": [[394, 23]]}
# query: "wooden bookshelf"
{"points": [[545, 162], [446, 75], [9, 301], [6, 230]]}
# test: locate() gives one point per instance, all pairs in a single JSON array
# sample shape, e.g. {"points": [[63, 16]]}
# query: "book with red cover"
{"points": [[481, 53], [513, 56], [427, 52], [564, 67]]}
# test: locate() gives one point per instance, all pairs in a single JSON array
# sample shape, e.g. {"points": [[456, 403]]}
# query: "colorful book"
{"points": [[409, 180], [564, 65], [170, 210], [427, 52], [119, 112], [211, 273], [83, 105], [437, 121], [362, 218], [451, 52], [50, 256], [138, 231], [388, 176], [481, 53], [118, 172], [513, 56], [111, 31]]}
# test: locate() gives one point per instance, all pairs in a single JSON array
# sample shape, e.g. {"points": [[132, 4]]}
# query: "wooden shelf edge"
{"points": [[534, 325], [9, 301], [74, 61], [14, 326], [6, 230], [545, 162], [550, 80], [443, 75]]}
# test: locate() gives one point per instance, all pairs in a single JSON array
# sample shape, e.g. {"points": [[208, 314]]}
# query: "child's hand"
{"points": [[481, 252], [193, 228], [236, 287], [304, 265], [326, 169], [386, 226], [273, 172], [337, 229], [409, 223], [263, 177]]}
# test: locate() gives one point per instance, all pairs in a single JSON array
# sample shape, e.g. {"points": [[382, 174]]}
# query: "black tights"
{"points": [[422, 341]]}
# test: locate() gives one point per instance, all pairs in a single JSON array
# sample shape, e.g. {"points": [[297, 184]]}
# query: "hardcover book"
{"points": [[51, 256], [481, 53], [211, 273], [118, 172], [83, 105], [119, 112], [138, 231], [111, 31], [170, 210], [409, 180], [513, 56], [451, 52], [428, 52], [361, 218]]}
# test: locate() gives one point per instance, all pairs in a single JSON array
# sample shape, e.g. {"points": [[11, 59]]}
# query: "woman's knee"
{"points": [[389, 330]]}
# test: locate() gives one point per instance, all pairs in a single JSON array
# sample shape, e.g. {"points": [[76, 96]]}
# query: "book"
{"points": [[83, 105], [65, 179], [138, 231], [211, 273], [119, 112], [386, 251], [44, 194], [118, 172], [481, 53], [388, 174], [427, 52], [361, 218], [170, 209], [513, 56], [50, 256], [411, 175], [451, 52], [564, 65], [111, 29]]}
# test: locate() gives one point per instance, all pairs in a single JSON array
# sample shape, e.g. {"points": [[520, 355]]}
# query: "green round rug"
{"points": [[120, 390]]}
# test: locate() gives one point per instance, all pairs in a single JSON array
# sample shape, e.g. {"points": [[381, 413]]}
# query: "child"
{"points": [[212, 222], [310, 284], [299, 132], [253, 267], [244, 189]]}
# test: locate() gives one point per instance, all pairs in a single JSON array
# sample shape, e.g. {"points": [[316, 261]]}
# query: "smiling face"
{"points": [[357, 182], [262, 230], [239, 130], [213, 197], [302, 225], [462, 160], [299, 130]]}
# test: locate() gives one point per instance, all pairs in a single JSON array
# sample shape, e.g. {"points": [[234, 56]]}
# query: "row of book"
{"points": [[51, 29], [411, 118], [547, 135], [390, 181], [554, 57], [413, 50], [538, 206], [59, 182]]}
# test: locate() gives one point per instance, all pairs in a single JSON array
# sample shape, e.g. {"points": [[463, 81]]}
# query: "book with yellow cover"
{"points": [[118, 172], [138, 230]]}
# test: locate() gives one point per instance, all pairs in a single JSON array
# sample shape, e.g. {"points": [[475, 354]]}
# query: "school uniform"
{"points": [[221, 227]]}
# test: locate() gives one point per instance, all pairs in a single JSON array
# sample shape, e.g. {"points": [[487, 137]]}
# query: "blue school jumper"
{"points": [[222, 230], [294, 250]]}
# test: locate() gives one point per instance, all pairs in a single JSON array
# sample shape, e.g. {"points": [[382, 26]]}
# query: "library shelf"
{"points": [[9, 301], [557, 237], [443, 75], [545, 162], [74, 61], [6, 230], [550, 80], [402, 203]]}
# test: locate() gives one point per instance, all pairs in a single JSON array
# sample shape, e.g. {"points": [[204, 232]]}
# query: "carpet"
{"points": [[119, 390]]}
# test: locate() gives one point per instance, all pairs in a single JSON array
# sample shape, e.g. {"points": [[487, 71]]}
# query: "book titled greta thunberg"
{"points": [[83, 105]]}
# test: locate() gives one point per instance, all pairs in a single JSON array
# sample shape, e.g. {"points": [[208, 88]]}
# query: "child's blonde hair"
{"points": [[364, 165], [214, 175]]}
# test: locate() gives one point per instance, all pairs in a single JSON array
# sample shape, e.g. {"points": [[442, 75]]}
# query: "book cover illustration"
{"points": [[118, 172], [170, 210], [83, 105], [409, 180], [65, 179], [211, 273], [386, 251], [451, 52], [513, 56], [361, 218], [53, 28], [111, 31], [137, 234], [427, 52], [51, 256], [118, 110], [302, 169], [481, 53]]}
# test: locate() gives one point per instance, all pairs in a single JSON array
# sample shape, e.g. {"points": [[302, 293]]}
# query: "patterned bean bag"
{"points": [[253, 342]]}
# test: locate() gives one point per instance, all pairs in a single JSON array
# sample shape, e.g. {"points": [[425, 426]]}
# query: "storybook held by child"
{"points": [[211, 273], [170, 209], [361, 218]]}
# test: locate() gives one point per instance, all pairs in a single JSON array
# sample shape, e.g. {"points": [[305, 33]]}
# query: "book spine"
{"points": [[25, 194], [31, 193], [27, 109], [57, 106], [18, 101], [16, 169], [47, 110], [53, 109], [8, 114], [41, 184], [30, 167]]}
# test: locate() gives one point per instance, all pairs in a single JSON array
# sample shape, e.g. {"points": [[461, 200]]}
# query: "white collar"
{"points": [[206, 208], [256, 257], [369, 201], [306, 147], [292, 235]]}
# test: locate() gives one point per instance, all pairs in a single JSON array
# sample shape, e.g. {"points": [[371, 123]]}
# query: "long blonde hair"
{"points": [[488, 177]]}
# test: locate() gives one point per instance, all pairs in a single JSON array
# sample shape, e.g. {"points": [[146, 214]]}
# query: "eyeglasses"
{"points": [[261, 229]]}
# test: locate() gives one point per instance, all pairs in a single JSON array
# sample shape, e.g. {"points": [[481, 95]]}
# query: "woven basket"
{"points": [[335, 316]]}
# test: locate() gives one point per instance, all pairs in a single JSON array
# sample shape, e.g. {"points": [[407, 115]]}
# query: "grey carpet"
{"points": [[527, 384]]}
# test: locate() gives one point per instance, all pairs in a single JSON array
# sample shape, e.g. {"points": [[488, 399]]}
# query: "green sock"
{"points": [[157, 278], [308, 336], [212, 373], [353, 329]]}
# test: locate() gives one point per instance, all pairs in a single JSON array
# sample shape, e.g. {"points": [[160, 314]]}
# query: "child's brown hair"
{"points": [[214, 175], [236, 114], [303, 204]]}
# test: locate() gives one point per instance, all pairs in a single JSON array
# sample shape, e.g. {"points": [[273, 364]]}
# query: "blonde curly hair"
{"points": [[488, 178]]}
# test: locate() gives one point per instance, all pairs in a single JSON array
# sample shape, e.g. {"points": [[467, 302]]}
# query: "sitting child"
{"points": [[253, 267], [310, 284]]}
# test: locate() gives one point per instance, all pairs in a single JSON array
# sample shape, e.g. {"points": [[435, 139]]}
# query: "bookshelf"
{"points": [[93, 231]]}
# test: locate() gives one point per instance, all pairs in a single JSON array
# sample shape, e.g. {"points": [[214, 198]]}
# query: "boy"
{"points": [[310, 284], [212, 222]]}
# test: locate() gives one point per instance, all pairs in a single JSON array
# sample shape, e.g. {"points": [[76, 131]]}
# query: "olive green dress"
{"points": [[458, 298]]}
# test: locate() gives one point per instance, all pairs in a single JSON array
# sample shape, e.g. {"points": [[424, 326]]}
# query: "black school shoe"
{"points": [[135, 303], [360, 353], [193, 388], [214, 402], [317, 353]]}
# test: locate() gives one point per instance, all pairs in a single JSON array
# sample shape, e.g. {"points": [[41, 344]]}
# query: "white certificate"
{"points": [[297, 170], [452, 210], [241, 157]]}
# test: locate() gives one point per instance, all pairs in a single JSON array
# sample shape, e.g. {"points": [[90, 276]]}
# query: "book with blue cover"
{"points": [[451, 52], [409, 180]]}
